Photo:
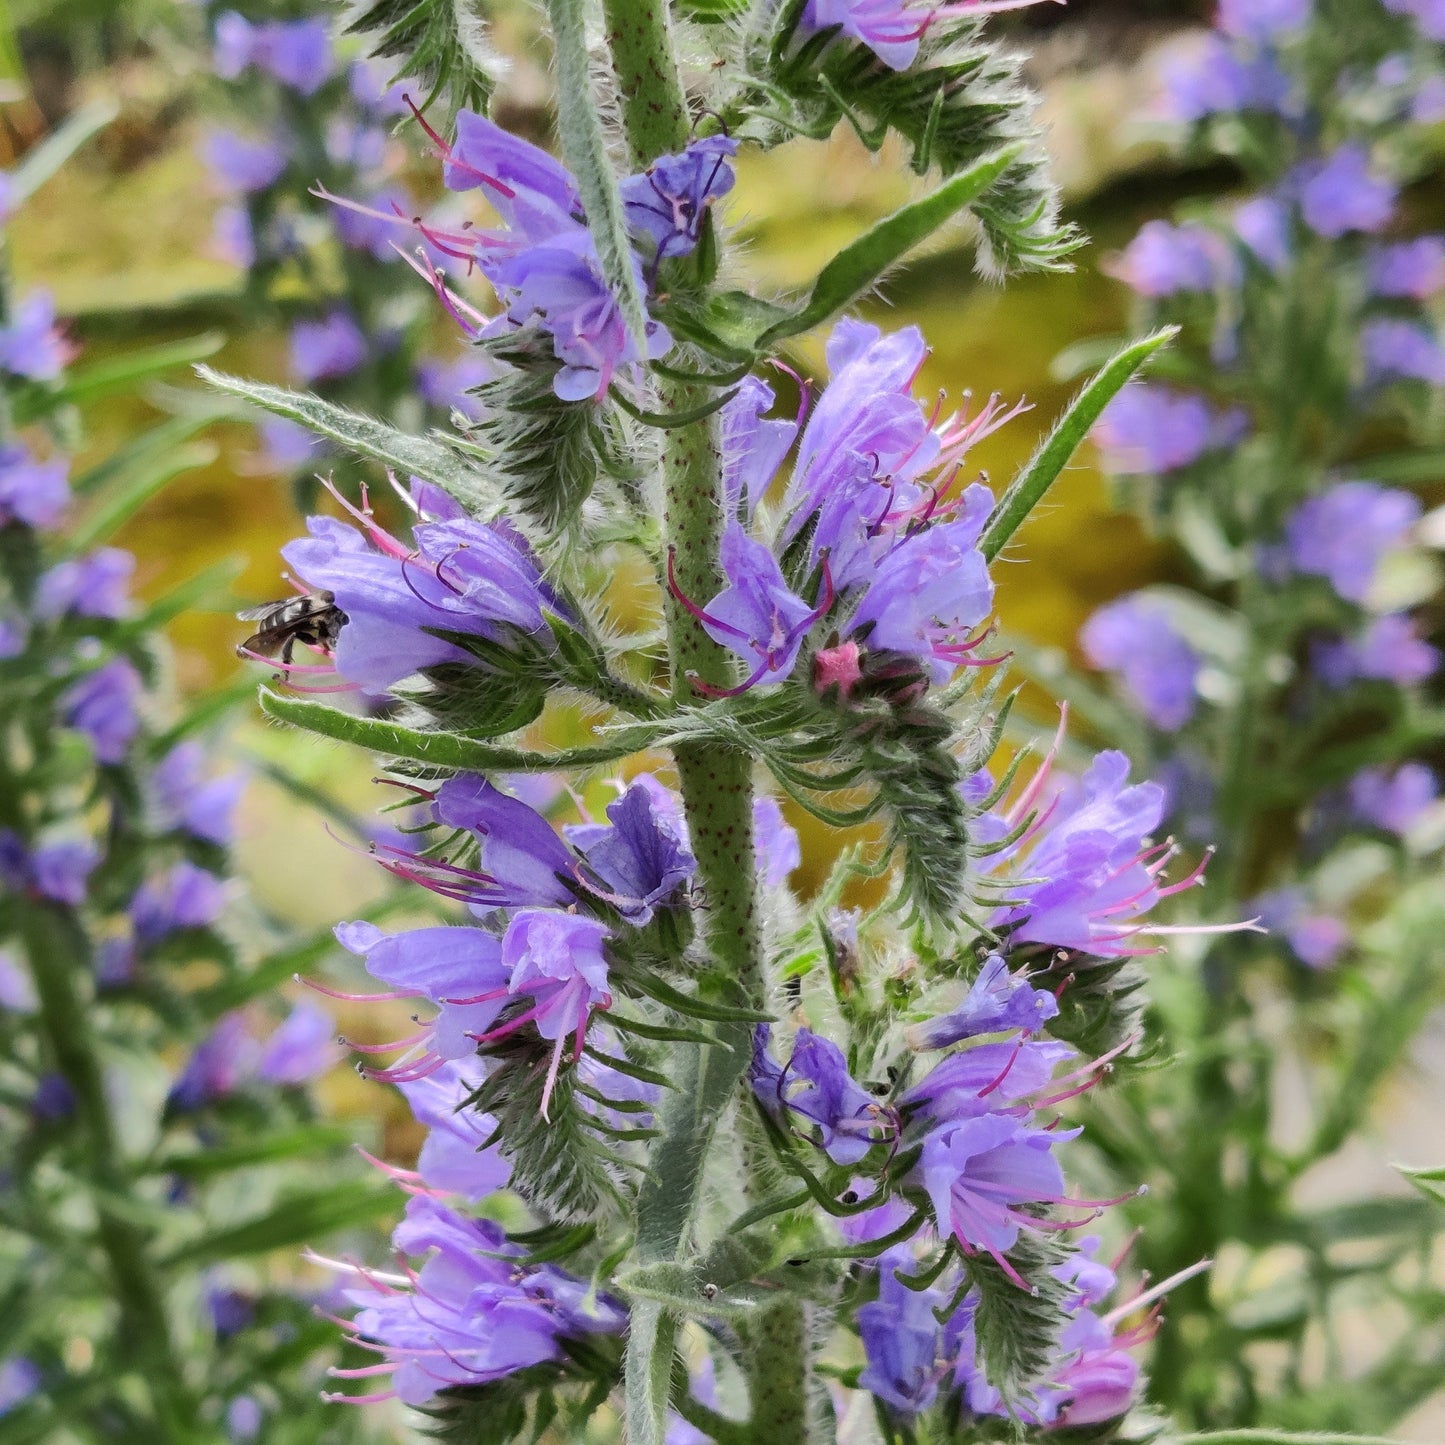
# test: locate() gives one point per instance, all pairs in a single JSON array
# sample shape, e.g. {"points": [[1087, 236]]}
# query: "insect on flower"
{"points": [[312, 618]]}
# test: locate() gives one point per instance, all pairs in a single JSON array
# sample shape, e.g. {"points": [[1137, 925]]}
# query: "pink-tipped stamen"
{"points": [[337, 993], [1158, 1291]]}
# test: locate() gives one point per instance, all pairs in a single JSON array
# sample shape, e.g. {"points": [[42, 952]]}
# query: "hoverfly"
{"points": [[312, 618]]}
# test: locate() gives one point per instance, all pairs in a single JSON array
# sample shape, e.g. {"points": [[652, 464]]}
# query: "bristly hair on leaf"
{"points": [[442, 44], [961, 99]]}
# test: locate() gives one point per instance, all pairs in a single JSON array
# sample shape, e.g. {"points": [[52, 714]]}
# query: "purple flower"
{"points": [[1088, 873], [53, 1098], [460, 575], [985, 1079], [60, 871], [1215, 79], [17, 992], [244, 1418], [532, 191], [456, 1156], [901, 1337], [19, 1380], [450, 384], [1394, 348], [1341, 194], [242, 163], [96, 585], [474, 1313], [31, 345], [1393, 801], [1262, 20], [222, 1062], [373, 228], [1343, 534], [372, 88], [779, 852], [14, 638], [1388, 650], [296, 52], [1411, 269], [753, 445], [1263, 224], [103, 705], [1428, 15], [302, 1047], [323, 349], [997, 1002], [815, 1085], [1164, 260], [182, 897], [638, 859], [757, 615], [287, 445], [1316, 939], [891, 29], [32, 493], [1135, 638], [669, 201], [186, 798], [1148, 428], [7, 197]]}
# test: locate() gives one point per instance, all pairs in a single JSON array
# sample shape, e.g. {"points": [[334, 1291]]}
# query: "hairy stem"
{"points": [[58, 951]]}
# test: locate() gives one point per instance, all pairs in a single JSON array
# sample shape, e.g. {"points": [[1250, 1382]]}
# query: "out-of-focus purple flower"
{"points": [[184, 896], [475, 1312], [32, 345], [60, 871], [53, 1098], [231, 1310], [222, 1062], [1159, 669], [779, 851], [186, 798], [1393, 348], [115, 961], [14, 638], [32, 493], [815, 1085], [1148, 428], [1087, 875], [669, 201], [1344, 533], [7, 197], [333, 346], [374, 228], [235, 43], [638, 857], [373, 89], [19, 1380], [1215, 79], [1262, 20], [1428, 104], [1263, 224], [1428, 15], [997, 1002], [288, 446], [1393, 801], [302, 1047], [449, 384], [244, 1418], [295, 52], [104, 705], [456, 1156], [1388, 650], [1341, 194], [17, 992], [245, 163], [1165, 260], [1413, 269], [1316, 939], [460, 575], [901, 1336], [96, 585], [232, 237]]}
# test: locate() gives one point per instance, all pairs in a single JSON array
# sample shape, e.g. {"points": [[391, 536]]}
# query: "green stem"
{"points": [[716, 784], [58, 953]]}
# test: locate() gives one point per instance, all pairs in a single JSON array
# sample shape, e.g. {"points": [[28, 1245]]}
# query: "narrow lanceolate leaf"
{"points": [[144, 482], [648, 1371], [123, 373], [298, 1219], [447, 750], [584, 148], [428, 457], [1430, 1182], [863, 264], [1027, 489], [58, 147]]}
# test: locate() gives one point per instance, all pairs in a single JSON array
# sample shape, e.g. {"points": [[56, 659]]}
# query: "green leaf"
{"points": [[647, 1371], [861, 265], [431, 458], [313, 1140], [584, 148], [120, 374], [448, 750], [298, 1219], [193, 591], [1027, 489], [128, 497], [1430, 1182], [141, 451], [58, 147], [441, 43]]}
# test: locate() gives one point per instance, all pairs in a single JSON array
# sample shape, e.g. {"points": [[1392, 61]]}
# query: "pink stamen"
{"points": [[311, 983], [1041, 775]]}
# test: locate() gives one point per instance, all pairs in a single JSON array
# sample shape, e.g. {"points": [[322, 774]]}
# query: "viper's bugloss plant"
{"points": [[1284, 686], [774, 1166], [153, 1095]]}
